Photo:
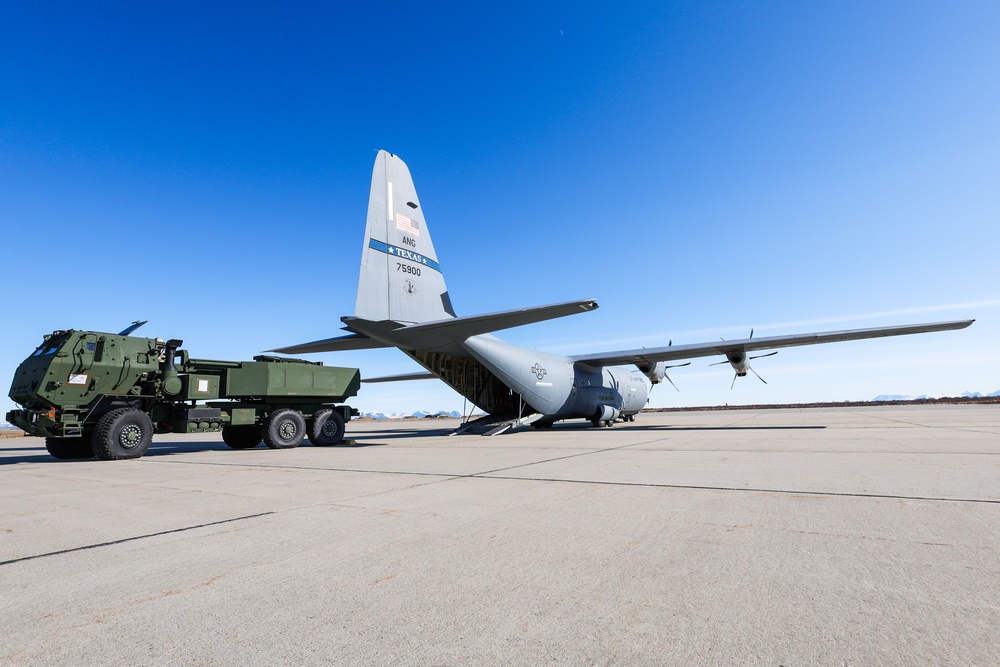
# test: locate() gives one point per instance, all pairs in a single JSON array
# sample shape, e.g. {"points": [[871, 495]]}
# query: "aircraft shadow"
{"points": [[667, 427], [728, 428]]}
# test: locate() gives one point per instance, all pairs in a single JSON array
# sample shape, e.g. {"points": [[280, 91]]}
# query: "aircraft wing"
{"points": [[646, 355]]}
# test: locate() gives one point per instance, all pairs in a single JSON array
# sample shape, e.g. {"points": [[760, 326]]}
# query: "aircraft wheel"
{"points": [[596, 421], [124, 433], [326, 428], [241, 437], [69, 448], [284, 429]]}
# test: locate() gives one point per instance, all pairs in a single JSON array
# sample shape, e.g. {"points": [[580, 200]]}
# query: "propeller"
{"points": [[741, 363], [759, 356], [668, 377]]}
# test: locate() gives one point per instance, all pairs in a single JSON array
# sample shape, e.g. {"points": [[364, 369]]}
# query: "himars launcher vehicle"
{"points": [[98, 394]]}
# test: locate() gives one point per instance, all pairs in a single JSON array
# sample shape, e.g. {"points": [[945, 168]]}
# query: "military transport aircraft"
{"points": [[402, 302]]}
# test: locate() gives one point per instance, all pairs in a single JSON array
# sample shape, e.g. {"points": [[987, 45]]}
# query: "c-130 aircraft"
{"points": [[403, 302]]}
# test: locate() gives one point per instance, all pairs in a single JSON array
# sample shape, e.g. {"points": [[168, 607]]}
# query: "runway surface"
{"points": [[753, 537]]}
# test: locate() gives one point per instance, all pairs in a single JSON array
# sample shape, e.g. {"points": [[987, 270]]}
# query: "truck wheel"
{"points": [[326, 428], [284, 429], [69, 448], [125, 433], [241, 437]]}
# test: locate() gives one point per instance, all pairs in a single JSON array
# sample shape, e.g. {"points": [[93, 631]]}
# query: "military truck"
{"points": [[98, 394]]}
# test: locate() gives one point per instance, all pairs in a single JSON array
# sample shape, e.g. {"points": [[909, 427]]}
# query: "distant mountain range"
{"points": [[419, 414], [899, 397]]}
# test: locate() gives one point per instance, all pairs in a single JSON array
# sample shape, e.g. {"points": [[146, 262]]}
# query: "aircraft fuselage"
{"points": [[558, 388]]}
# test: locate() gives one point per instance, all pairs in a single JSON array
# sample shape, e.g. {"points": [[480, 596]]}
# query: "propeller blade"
{"points": [[719, 363], [670, 381], [758, 375], [734, 381], [769, 354], [679, 365]]}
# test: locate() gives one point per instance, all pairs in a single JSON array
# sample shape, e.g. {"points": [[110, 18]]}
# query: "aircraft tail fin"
{"points": [[400, 279]]}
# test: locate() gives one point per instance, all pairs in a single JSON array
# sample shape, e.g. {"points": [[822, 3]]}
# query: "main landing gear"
{"points": [[608, 423]]}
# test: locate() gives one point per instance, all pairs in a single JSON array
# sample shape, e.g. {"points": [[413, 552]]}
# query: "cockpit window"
{"points": [[51, 344], [45, 349]]}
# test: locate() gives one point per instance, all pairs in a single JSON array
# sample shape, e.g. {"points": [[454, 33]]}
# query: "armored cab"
{"points": [[76, 374]]}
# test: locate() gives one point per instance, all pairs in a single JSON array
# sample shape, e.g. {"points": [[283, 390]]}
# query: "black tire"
{"points": [[124, 433], [241, 437], [284, 429], [326, 428], [69, 448]]}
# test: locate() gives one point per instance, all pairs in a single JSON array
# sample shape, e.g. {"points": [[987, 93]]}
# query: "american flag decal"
{"points": [[407, 225]]}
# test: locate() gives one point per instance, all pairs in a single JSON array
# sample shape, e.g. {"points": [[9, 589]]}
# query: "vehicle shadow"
{"points": [[43, 456], [169, 448], [40, 455]]}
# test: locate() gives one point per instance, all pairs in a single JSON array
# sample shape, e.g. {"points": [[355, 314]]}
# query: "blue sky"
{"points": [[698, 168]]}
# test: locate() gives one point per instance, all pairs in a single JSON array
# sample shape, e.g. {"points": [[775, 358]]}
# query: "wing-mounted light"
{"points": [[740, 362]]}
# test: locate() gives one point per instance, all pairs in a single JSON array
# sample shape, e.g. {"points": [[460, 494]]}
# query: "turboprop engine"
{"points": [[740, 362], [657, 372]]}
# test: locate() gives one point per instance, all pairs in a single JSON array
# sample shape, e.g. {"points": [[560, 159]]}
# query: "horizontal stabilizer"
{"points": [[423, 375], [645, 355], [439, 333], [339, 344], [473, 325], [429, 335]]}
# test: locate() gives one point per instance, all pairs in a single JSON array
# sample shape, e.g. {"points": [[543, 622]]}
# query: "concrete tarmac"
{"points": [[757, 537]]}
